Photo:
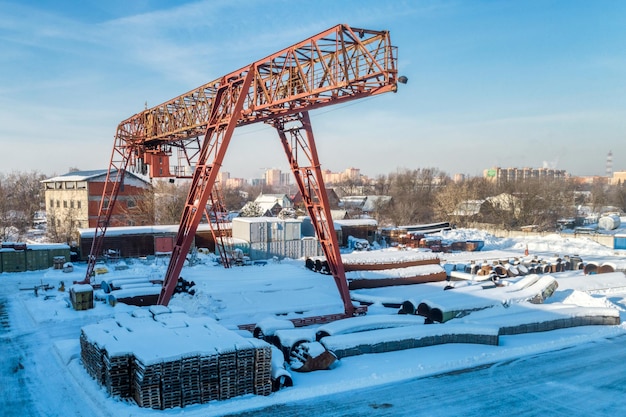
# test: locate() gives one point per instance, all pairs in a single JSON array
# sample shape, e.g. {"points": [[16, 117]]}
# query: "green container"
{"points": [[37, 259], [13, 261], [58, 250]]}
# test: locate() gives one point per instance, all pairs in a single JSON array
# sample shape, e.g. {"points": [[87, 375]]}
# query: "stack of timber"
{"points": [[165, 359], [385, 268]]}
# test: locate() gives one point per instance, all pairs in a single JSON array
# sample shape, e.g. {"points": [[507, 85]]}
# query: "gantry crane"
{"points": [[332, 67]]}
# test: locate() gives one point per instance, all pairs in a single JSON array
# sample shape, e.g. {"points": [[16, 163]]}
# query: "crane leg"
{"points": [[296, 136]]}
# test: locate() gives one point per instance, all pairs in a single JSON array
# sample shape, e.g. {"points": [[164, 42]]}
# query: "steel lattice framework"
{"points": [[332, 67]]}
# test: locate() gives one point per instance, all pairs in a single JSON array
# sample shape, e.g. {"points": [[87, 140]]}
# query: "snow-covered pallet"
{"points": [[117, 374], [263, 361], [190, 380], [213, 363], [209, 378], [147, 385]]}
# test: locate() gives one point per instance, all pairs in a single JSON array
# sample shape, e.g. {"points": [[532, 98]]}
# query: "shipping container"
{"points": [[619, 242], [266, 229], [37, 259], [13, 260], [293, 249], [58, 250]]}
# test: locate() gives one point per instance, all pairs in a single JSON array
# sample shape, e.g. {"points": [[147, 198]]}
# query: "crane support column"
{"points": [[225, 113], [123, 152], [308, 176]]}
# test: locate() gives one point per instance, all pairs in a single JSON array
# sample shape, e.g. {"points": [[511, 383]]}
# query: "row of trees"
{"points": [[417, 196], [429, 195]]}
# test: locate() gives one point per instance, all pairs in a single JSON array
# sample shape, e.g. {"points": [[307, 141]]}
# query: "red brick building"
{"points": [[73, 201]]}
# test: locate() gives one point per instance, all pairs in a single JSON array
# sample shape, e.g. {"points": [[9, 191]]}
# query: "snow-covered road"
{"points": [[588, 380]]}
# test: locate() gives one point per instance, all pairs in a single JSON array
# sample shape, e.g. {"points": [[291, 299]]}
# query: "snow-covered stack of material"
{"points": [[166, 359], [460, 302], [407, 337], [386, 268]]}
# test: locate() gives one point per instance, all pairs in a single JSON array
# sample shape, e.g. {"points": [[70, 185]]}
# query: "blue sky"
{"points": [[491, 83]]}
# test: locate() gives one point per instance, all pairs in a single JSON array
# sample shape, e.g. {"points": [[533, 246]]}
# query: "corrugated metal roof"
{"points": [[86, 175]]}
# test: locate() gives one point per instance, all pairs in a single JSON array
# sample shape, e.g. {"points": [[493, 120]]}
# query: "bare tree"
{"points": [[169, 201], [140, 209], [460, 202], [617, 196], [539, 202], [412, 193], [234, 198], [63, 228], [21, 197]]}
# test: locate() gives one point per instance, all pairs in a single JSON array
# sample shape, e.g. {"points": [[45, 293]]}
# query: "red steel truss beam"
{"points": [[336, 65]]}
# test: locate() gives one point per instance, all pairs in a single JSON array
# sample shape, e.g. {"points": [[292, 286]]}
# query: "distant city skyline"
{"points": [[490, 83], [276, 177]]}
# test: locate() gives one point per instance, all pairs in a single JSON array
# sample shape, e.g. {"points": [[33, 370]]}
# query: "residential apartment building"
{"points": [[498, 174]]}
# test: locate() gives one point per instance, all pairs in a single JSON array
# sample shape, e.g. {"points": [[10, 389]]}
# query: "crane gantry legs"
{"points": [[303, 159]]}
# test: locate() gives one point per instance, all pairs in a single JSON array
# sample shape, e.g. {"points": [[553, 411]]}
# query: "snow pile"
{"points": [[387, 256]]}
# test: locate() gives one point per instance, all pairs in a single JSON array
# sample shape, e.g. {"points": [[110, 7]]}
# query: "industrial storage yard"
{"points": [[51, 338], [191, 331]]}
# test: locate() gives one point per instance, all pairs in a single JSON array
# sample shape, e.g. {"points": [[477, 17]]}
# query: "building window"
{"points": [[58, 204], [78, 204], [131, 203], [64, 204], [71, 203], [51, 203]]}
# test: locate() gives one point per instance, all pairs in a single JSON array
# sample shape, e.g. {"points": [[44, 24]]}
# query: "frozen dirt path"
{"points": [[33, 379]]}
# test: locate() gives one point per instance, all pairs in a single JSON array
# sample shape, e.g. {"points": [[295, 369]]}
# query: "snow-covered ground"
{"points": [[41, 372]]}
